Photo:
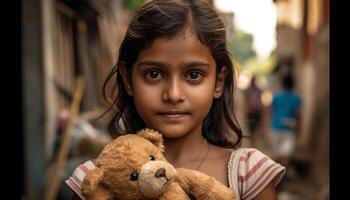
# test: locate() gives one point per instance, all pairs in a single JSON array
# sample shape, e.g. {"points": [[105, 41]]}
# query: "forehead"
{"points": [[184, 47]]}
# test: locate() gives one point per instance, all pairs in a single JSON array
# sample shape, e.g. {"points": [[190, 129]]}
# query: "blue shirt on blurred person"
{"points": [[285, 104]]}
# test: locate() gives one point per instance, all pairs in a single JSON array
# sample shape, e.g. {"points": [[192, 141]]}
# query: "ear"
{"points": [[92, 188], [125, 76], [220, 82], [152, 136]]}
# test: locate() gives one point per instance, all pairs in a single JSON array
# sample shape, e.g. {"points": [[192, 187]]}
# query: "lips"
{"points": [[173, 115], [174, 112]]}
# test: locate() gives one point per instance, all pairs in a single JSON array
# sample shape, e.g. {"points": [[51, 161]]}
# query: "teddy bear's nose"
{"points": [[160, 173]]}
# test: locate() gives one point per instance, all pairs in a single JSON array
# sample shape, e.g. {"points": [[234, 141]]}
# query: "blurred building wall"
{"points": [[303, 34], [33, 99], [62, 39]]}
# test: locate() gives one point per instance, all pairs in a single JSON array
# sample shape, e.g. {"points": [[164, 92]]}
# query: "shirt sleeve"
{"points": [[74, 182], [255, 172]]}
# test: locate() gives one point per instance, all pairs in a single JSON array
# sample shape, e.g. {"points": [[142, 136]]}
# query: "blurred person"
{"points": [[174, 75], [253, 109], [285, 121]]}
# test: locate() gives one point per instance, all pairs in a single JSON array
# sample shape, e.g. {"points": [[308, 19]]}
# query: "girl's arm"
{"points": [[269, 193]]}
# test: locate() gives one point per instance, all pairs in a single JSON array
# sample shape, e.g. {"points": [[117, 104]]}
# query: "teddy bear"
{"points": [[133, 167]]}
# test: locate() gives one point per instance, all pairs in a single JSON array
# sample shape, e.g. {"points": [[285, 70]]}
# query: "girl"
{"points": [[174, 75]]}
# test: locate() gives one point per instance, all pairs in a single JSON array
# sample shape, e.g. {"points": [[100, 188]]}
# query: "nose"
{"points": [[160, 173], [173, 92]]}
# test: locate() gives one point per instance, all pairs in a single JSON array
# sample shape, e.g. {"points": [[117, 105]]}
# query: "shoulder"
{"points": [[277, 97], [252, 171]]}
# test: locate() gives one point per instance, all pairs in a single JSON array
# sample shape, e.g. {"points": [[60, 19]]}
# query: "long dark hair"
{"points": [[165, 19]]}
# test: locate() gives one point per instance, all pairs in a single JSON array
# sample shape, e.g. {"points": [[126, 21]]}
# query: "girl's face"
{"points": [[174, 83]]}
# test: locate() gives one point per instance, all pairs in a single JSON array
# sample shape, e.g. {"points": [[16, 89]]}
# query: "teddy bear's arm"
{"points": [[174, 192], [91, 187], [202, 186]]}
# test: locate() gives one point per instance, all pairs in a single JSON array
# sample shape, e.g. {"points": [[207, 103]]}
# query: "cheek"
{"points": [[146, 97], [141, 90], [201, 96]]}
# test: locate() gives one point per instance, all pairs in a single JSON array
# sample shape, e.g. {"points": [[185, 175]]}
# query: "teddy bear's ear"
{"points": [[152, 136], [92, 188]]}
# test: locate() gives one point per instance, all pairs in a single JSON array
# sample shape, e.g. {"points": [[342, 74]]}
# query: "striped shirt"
{"points": [[249, 172], [75, 181]]}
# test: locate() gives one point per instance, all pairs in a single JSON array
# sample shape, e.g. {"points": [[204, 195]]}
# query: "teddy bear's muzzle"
{"points": [[160, 173], [155, 177]]}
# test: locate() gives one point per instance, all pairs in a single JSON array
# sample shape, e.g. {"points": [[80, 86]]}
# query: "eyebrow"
{"points": [[162, 64]]}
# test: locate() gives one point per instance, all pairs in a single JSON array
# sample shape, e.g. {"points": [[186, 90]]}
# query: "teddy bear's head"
{"points": [[130, 167]]}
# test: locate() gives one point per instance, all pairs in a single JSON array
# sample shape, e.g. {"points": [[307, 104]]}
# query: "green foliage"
{"points": [[261, 66], [241, 46], [132, 4]]}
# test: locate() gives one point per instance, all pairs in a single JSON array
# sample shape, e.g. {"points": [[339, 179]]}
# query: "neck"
{"points": [[180, 151]]}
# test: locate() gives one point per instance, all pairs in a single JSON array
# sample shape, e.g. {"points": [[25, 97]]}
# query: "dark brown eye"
{"points": [[134, 176], [194, 75], [153, 74], [152, 157]]}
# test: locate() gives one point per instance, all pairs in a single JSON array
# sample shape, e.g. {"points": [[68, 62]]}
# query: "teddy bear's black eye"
{"points": [[134, 176], [152, 157]]}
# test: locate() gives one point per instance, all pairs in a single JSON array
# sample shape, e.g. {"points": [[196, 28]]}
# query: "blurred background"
{"points": [[69, 46]]}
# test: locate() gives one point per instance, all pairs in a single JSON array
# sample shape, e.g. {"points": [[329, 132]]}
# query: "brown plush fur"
{"points": [[157, 179]]}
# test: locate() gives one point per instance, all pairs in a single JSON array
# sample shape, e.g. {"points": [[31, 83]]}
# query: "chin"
{"points": [[173, 132]]}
